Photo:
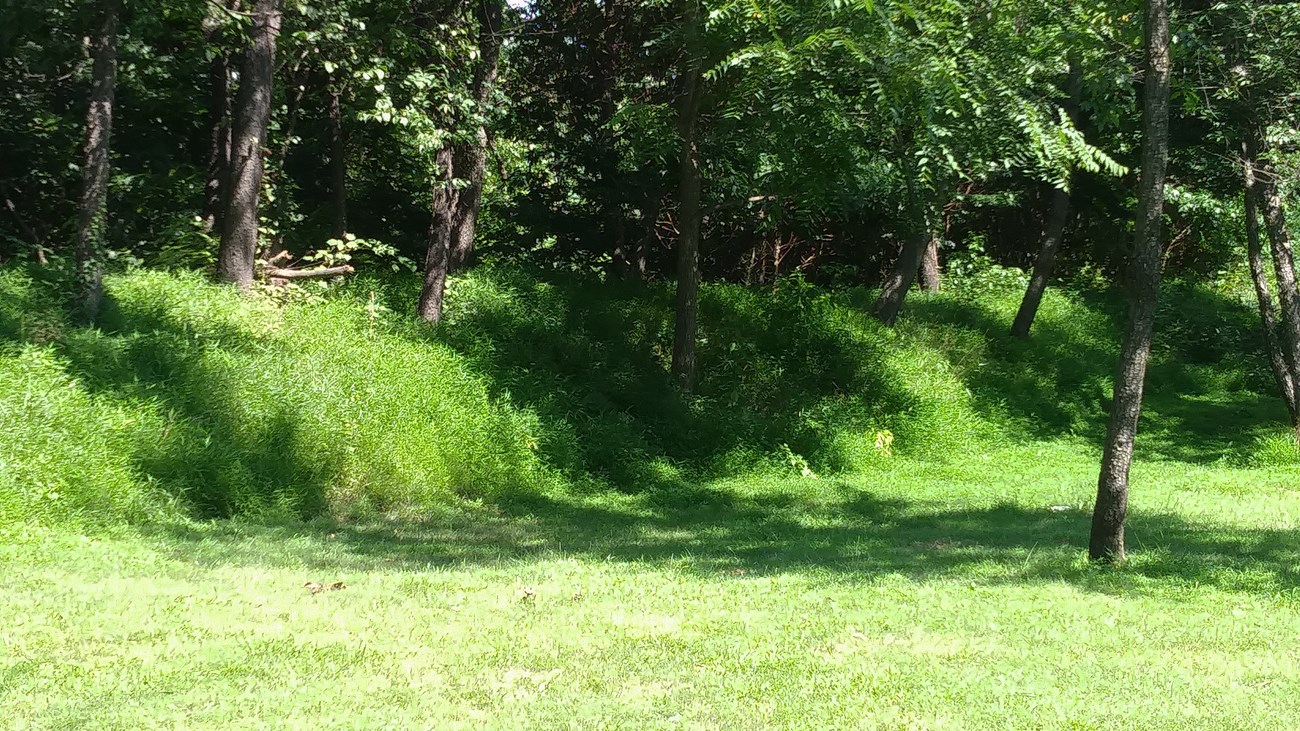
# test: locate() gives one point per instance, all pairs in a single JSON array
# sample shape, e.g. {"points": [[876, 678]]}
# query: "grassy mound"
{"points": [[193, 400]]}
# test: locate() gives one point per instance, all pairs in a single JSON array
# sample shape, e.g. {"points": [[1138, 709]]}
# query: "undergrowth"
{"points": [[192, 400]]}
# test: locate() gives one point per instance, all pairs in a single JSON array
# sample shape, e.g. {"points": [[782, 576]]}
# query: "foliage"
{"points": [[194, 400]]}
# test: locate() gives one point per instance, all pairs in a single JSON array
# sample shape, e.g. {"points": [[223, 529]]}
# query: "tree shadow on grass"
{"points": [[855, 537]]}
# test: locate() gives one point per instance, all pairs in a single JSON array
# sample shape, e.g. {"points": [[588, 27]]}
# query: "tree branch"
{"points": [[339, 271]]}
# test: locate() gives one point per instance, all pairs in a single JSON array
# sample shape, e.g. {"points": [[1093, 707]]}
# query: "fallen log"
{"points": [[339, 271]]}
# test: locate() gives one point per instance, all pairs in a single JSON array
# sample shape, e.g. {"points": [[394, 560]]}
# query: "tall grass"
{"points": [[193, 400]]}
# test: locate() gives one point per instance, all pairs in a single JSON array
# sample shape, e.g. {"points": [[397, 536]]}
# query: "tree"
{"points": [[93, 214], [252, 114], [916, 241], [218, 168], [461, 163], [931, 278], [338, 162], [689, 214], [946, 97], [471, 155], [437, 259], [1057, 218], [1111, 510], [1281, 356], [1247, 81], [1263, 187]]}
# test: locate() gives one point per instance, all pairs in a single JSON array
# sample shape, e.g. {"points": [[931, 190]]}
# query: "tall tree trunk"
{"points": [[1281, 358], [471, 157], [1107, 540], [1269, 196], [218, 169], [338, 163], [890, 302], [613, 189], [930, 277], [252, 114], [437, 259], [92, 217], [689, 223], [1044, 264], [1057, 219]]}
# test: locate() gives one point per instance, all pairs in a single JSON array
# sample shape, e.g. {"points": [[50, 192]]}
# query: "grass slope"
{"points": [[536, 533]]}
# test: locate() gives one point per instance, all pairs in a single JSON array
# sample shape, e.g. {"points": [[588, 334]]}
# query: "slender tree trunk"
{"points": [[471, 157], [92, 217], [1111, 510], [1057, 219], [930, 277], [649, 220], [1044, 264], [1281, 359], [218, 170], [252, 114], [890, 302], [437, 259], [338, 163], [689, 224], [1269, 196]]}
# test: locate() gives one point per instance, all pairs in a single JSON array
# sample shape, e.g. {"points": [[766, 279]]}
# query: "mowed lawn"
{"points": [[920, 596]]}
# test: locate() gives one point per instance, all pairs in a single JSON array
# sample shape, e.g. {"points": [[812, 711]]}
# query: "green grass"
{"points": [[919, 596], [170, 480]]}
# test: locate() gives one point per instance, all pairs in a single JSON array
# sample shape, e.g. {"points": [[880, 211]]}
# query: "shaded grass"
{"points": [[917, 596]]}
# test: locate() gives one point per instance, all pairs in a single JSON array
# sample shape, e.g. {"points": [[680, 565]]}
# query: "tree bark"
{"points": [[1281, 359], [1269, 197], [471, 157], [92, 216], [338, 164], [1057, 219], [218, 169], [437, 259], [892, 295], [1044, 264], [890, 302], [930, 277], [689, 223], [1106, 542], [252, 114]]}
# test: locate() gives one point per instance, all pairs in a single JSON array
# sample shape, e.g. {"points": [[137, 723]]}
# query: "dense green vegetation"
{"points": [[191, 400], [649, 364], [535, 528]]}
